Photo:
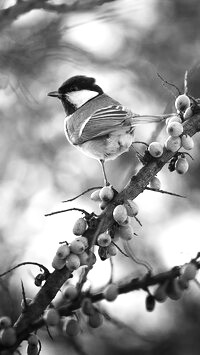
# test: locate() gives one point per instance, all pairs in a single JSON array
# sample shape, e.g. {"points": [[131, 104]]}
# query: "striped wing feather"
{"points": [[102, 122]]}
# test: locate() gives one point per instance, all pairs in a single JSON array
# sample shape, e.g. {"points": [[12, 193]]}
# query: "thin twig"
{"points": [[68, 209], [26, 263], [164, 192], [167, 83], [82, 193]]}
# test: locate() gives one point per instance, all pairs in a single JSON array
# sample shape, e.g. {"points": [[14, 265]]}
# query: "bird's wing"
{"points": [[104, 121]]}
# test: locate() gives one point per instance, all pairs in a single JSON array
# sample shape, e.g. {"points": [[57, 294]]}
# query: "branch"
{"points": [[32, 317], [10, 14]]}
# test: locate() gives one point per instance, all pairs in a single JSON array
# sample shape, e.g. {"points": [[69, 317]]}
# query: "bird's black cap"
{"points": [[79, 82]]}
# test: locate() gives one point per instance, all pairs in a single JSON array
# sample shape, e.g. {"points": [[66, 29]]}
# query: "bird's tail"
{"points": [[140, 119]]}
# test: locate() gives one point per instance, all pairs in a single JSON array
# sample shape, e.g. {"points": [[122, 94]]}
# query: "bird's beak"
{"points": [[54, 94]]}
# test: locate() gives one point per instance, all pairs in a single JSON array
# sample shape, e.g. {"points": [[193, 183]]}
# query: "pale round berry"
{"points": [[80, 226], [181, 165], [58, 263], [125, 232], [120, 214], [73, 262], [51, 317], [174, 291], [106, 193], [63, 251], [95, 320], [155, 149], [8, 336], [174, 129], [189, 272], [95, 195], [111, 292], [77, 246], [71, 327], [182, 102], [160, 293], [155, 183], [187, 142], [112, 250], [104, 239], [132, 208], [87, 306], [70, 292], [173, 143], [173, 119], [5, 322], [84, 240], [188, 113], [33, 340]]}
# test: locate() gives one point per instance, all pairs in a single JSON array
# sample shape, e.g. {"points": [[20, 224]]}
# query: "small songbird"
{"points": [[95, 123]]}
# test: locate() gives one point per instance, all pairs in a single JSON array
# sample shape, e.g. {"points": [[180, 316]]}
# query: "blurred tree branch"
{"points": [[10, 14]]}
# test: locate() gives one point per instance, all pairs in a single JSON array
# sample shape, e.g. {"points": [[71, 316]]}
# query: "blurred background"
{"points": [[124, 44]]}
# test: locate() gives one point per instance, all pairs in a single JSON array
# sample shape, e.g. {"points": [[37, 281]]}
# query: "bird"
{"points": [[95, 123]]}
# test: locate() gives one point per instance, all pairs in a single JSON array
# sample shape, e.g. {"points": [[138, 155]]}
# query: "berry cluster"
{"points": [[176, 138], [172, 288]]}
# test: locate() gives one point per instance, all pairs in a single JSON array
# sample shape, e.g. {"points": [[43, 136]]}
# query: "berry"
{"points": [[181, 165], [51, 317], [32, 349], [73, 262], [174, 290], [33, 340], [103, 205], [80, 226], [104, 239], [84, 240], [182, 102], [183, 283], [188, 113], [8, 336], [187, 142], [111, 292], [58, 263], [91, 259], [71, 327], [63, 251], [125, 232], [5, 322], [173, 119], [160, 294], [174, 129], [189, 272], [132, 208], [155, 183], [155, 149], [120, 214], [84, 257], [112, 250], [173, 143], [87, 306], [150, 303], [70, 292], [77, 246], [106, 193], [95, 320], [95, 195]]}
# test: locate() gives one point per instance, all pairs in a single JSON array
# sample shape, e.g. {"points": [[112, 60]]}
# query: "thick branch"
{"points": [[137, 184]]}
